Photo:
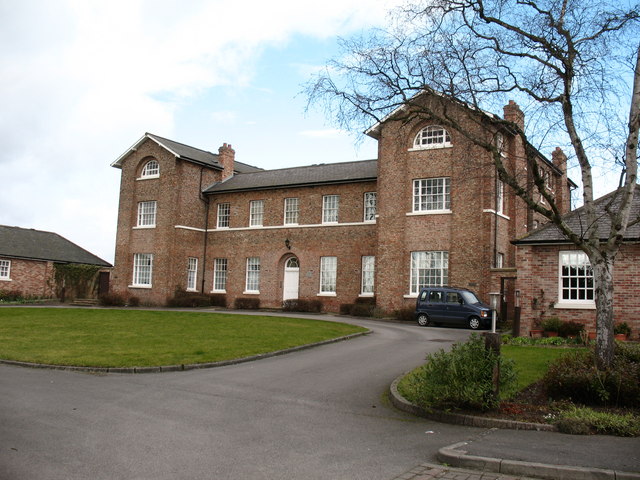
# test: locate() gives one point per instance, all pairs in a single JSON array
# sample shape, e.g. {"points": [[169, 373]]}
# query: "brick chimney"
{"points": [[562, 191], [512, 113], [227, 157]]}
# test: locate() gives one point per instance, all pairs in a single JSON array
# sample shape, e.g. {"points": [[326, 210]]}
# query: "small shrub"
{"points": [[133, 301], [362, 310], [570, 329], [461, 378], [10, 296], [622, 328], [112, 300], [184, 299], [551, 324], [405, 314], [302, 305], [246, 303], [366, 300], [345, 308], [218, 300]]}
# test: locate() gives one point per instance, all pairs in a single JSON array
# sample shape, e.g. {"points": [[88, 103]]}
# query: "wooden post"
{"points": [[492, 342]]}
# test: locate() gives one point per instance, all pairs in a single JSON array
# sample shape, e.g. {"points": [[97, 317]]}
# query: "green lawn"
{"points": [[124, 338], [531, 362]]}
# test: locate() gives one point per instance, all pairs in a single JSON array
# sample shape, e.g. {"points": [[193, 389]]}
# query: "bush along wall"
{"points": [[75, 280]]}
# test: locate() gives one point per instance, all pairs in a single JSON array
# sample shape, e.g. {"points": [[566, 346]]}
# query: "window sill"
{"points": [[575, 306], [6, 280], [251, 292], [366, 295], [147, 287], [327, 294], [149, 177], [192, 290], [411, 295], [218, 291], [143, 227], [430, 147], [429, 212]]}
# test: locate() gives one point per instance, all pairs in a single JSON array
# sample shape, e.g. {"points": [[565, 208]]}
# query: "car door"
{"points": [[456, 309], [436, 307]]}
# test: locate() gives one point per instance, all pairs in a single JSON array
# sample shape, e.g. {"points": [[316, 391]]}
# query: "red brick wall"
{"points": [[31, 278], [538, 284]]}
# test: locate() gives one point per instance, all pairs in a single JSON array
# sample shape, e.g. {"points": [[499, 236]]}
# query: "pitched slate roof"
{"points": [[185, 152], [16, 242], [323, 174], [550, 233]]}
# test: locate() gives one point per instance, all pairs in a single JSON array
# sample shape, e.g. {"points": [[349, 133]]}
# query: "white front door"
{"points": [[291, 279]]}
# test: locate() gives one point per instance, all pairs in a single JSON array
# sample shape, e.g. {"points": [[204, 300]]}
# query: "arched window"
{"points": [[151, 169], [292, 263], [432, 136]]}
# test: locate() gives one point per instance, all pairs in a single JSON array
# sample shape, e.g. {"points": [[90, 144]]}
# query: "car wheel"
{"points": [[474, 323], [423, 320]]}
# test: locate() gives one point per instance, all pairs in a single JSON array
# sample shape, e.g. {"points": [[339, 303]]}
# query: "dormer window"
{"points": [[432, 136], [151, 169]]}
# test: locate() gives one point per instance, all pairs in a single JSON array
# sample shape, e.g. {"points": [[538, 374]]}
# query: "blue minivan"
{"points": [[451, 306]]}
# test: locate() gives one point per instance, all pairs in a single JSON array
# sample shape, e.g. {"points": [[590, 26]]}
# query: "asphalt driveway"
{"points": [[316, 414]]}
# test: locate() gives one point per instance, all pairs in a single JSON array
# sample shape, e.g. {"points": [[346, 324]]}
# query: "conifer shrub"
{"points": [[461, 378]]}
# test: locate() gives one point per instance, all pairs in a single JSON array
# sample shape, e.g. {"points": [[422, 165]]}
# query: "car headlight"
{"points": [[484, 314]]}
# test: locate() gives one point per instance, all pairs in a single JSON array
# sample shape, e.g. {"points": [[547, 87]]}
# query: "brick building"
{"points": [[429, 210], [28, 259], [555, 280]]}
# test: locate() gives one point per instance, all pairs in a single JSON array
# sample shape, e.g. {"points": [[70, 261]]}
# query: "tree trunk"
{"points": [[603, 280]]}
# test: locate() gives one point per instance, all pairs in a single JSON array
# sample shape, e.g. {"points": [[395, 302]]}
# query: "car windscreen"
{"points": [[470, 298]]}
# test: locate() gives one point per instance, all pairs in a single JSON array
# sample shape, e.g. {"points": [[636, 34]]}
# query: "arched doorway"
{"points": [[291, 279]]}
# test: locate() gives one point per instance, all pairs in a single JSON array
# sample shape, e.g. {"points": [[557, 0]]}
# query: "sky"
{"points": [[82, 80]]}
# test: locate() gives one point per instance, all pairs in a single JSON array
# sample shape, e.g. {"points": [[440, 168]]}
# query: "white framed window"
{"points": [[291, 211], [330, 208], [147, 214], [253, 275], [151, 169], [575, 279], [500, 196], [432, 136], [142, 269], [5, 270], [368, 275], [220, 275], [431, 195], [224, 214], [429, 269], [370, 206], [256, 213], [328, 275], [192, 273]]}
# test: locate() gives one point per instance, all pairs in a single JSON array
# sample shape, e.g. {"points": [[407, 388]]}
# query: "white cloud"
{"points": [[81, 81]]}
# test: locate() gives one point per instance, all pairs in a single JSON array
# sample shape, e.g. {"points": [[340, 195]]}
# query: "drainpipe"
{"points": [[206, 201]]}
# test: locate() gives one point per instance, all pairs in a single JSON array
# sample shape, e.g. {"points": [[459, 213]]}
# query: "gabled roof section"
{"points": [[323, 174], [185, 152], [29, 244], [549, 233], [179, 150]]}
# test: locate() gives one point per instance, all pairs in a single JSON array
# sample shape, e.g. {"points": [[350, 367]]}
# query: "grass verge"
{"points": [[142, 338]]}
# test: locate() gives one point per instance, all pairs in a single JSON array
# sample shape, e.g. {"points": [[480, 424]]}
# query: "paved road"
{"points": [[316, 414]]}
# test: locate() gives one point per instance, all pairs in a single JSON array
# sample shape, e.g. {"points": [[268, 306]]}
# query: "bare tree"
{"points": [[571, 63]]}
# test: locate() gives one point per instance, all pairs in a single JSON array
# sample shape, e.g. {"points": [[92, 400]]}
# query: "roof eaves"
{"points": [[288, 185]]}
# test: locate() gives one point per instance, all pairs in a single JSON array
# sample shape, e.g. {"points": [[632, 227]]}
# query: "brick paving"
{"points": [[428, 471]]}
